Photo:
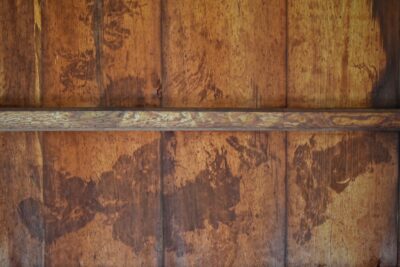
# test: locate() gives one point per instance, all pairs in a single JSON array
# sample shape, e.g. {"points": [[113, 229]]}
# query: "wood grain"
{"points": [[223, 199], [340, 186], [20, 153], [17, 54], [214, 51], [130, 60], [102, 195], [100, 200], [20, 177], [198, 120], [69, 59], [223, 192]]}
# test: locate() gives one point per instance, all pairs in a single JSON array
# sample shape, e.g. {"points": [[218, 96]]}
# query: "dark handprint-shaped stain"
{"points": [[81, 67], [212, 197], [386, 91], [129, 198], [320, 173], [251, 154]]}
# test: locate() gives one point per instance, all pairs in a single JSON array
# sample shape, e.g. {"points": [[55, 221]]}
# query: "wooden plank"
{"points": [[223, 192], [101, 199], [224, 199], [340, 185], [198, 120], [17, 55], [101, 54], [70, 59], [214, 51], [342, 199], [20, 178], [20, 153], [130, 59]]}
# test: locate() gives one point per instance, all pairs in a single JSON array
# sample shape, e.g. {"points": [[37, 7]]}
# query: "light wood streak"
{"points": [[197, 120]]}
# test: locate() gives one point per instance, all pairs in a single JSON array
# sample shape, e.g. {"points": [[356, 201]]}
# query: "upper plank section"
{"points": [[343, 53], [224, 53], [18, 73], [101, 53]]}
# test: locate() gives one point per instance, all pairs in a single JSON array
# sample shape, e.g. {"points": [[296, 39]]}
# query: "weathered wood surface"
{"points": [[190, 198], [20, 153], [342, 187], [198, 120], [224, 193], [104, 189]]}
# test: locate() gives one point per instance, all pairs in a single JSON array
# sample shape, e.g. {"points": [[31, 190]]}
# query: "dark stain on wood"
{"points": [[74, 202], [169, 155], [386, 91], [125, 91], [81, 68], [250, 154], [212, 196], [320, 173]]}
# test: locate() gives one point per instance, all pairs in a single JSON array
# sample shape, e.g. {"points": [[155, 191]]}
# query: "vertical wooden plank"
{"points": [[224, 199], [224, 53], [20, 178], [224, 194], [101, 200], [20, 153], [101, 53], [342, 199], [70, 62], [131, 55], [340, 186], [17, 54]]}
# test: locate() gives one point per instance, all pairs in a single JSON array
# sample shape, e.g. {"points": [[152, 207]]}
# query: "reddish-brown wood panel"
{"points": [[342, 188], [101, 190], [342, 199], [17, 54], [224, 199], [130, 61], [20, 178], [224, 53], [224, 194], [101, 200], [20, 153], [70, 60]]}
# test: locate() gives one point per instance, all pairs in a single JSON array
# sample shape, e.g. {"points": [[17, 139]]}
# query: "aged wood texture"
{"points": [[101, 53], [17, 54], [100, 200], [198, 120], [130, 58], [223, 199], [20, 153], [69, 60], [342, 188], [224, 194], [214, 51], [20, 178], [101, 191]]}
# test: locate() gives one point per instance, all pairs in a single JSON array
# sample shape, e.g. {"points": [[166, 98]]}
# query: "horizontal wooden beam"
{"points": [[198, 120]]}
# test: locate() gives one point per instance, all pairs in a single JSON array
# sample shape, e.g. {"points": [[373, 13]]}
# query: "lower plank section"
{"points": [[342, 190], [20, 178], [101, 200], [224, 199]]}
